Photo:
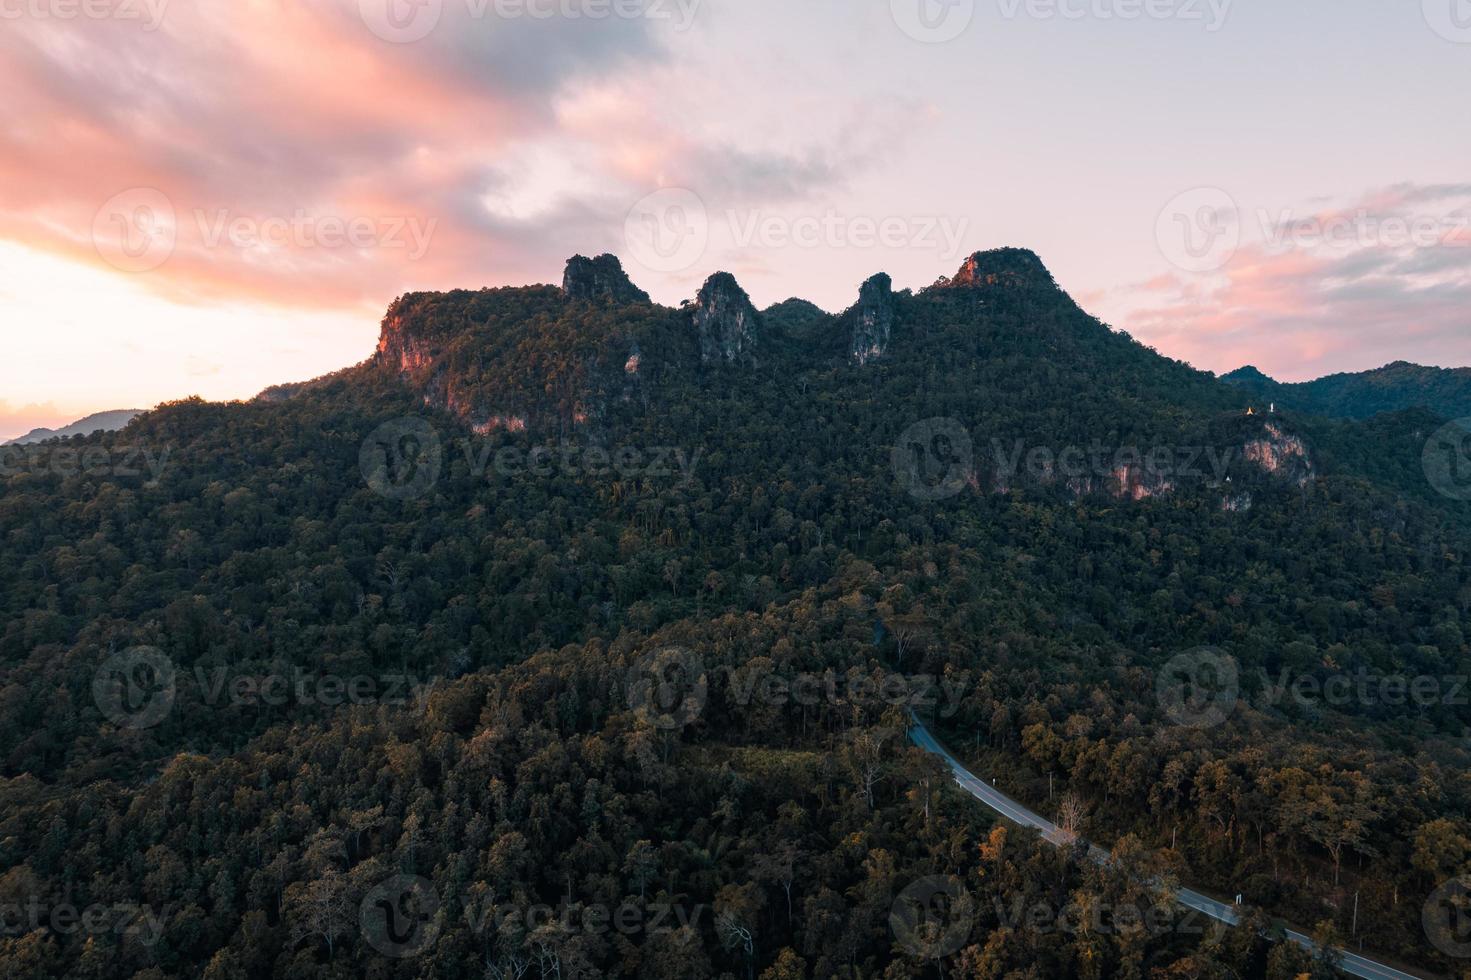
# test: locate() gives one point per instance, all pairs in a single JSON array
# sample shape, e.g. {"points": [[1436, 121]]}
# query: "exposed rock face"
{"points": [[601, 278], [1238, 503], [726, 323], [402, 349], [415, 346], [1000, 267], [873, 318], [1280, 453]]}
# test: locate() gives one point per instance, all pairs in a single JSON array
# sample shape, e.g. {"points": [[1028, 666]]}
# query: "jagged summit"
{"points": [[872, 318], [600, 278], [725, 322], [1000, 267]]}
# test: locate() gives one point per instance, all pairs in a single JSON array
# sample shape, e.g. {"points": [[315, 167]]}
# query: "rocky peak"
{"points": [[1000, 267], [600, 278], [725, 321], [873, 318], [400, 347]]}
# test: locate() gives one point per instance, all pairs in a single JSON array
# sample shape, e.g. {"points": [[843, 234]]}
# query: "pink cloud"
{"points": [[282, 121], [1308, 306]]}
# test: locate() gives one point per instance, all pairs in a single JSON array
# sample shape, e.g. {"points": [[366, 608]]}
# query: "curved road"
{"points": [[1350, 963]]}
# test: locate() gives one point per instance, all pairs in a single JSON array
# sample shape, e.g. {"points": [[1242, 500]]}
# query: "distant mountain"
{"points": [[1394, 387], [100, 422]]}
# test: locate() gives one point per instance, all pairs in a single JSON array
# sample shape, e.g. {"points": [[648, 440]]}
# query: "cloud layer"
{"points": [[1385, 278], [285, 140]]}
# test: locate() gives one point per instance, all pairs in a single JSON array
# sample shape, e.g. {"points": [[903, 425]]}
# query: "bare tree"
{"points": [[779, 865], [1069, 816], [865, 759], [321, 909], [733, 935], [507, 965]]}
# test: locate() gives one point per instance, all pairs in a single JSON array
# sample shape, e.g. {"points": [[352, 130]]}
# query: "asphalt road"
{"points": [[1350, 963]]}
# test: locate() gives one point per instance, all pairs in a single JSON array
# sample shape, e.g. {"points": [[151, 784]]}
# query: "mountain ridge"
{"points": [[494, 504], [107, 421], [1396, 386]]}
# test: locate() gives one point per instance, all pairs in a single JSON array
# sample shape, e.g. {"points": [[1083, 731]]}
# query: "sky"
{"points": [[212, 196]]}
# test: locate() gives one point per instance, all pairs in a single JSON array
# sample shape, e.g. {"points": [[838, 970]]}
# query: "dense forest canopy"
{"points": [[371, 677]]}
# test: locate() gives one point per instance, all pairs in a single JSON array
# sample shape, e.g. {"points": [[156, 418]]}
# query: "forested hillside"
{"points": [[1392, 388], [398, 646]]}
